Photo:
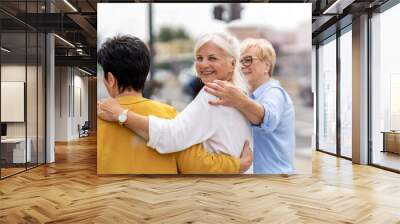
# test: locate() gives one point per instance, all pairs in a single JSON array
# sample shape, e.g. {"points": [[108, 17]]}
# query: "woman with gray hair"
{"points": [[220, 129]]}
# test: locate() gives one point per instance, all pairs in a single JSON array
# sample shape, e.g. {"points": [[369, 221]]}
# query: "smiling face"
{"points": [[213, 63], [254, 69]]}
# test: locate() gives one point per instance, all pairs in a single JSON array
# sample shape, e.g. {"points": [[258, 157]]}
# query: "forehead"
{"points": [[210, 48], [250, 51]]}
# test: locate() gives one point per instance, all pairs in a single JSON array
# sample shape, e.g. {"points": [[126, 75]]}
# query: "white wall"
{"points": [[80, 96], [71, 93], [33, 126], [61, 103], [13, 73]]}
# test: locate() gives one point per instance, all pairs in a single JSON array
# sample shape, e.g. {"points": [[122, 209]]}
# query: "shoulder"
{"points": [[151, 107], [276, 93], [201, 104], [160, 105], [205, 96], [275, 96]]}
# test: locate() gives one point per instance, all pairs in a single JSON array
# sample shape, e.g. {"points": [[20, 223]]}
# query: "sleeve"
{"points": [[274, 103], [196, 160], [193, 125]]}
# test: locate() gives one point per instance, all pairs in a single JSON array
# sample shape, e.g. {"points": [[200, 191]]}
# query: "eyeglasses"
{"points": [[247, 61]]}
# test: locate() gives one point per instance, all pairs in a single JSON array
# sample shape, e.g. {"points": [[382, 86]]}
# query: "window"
{"points": [[327, 96], [22, 76], [385, 89], [346, 94]]}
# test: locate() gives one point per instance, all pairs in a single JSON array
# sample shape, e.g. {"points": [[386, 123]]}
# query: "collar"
{"points": [[126, 100], [265, 86]]}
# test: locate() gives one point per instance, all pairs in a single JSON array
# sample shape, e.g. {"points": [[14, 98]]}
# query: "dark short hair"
{"points": [[128, 59]]}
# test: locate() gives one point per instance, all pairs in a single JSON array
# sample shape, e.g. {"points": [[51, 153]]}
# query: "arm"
{"points": [[109, 109], [274, 106], [266, 114], [253, 111], [195, 124], [139, 124], [230, 95], [195, 160]]}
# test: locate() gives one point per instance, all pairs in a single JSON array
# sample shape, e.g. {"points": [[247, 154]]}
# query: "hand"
{"points": [[246, 158], [109, 109], [228, 94]]}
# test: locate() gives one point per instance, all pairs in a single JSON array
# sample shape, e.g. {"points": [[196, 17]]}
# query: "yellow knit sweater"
{"points": [[120, 151]]}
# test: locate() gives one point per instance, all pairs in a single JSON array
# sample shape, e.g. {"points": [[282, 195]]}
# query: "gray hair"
{"points": [[230, 45]]}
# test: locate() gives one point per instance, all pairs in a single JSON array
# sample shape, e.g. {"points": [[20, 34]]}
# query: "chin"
{"points": [[206, 79], [249, 79]]}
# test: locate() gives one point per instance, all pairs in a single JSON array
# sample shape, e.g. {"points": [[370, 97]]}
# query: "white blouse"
{"points": [[221, 129]]}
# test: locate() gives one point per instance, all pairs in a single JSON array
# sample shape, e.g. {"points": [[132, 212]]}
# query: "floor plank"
{"points": [[69, 191]]}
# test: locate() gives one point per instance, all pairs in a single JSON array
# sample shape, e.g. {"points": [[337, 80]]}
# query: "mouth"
{"points": [[246, 72], [207, 73]]}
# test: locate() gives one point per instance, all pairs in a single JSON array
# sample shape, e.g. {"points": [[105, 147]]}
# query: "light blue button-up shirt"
{"points": [[274, 138]]}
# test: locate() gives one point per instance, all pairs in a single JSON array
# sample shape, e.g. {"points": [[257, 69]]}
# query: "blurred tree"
{"points": [[181, 34], [168, 34]]}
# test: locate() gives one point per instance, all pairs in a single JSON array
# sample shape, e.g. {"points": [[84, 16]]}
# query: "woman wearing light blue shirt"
{"points": [[269, 108]]}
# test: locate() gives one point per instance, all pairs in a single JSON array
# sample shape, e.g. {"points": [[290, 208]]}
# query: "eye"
{"points": [[199, 59], [212, 58]]}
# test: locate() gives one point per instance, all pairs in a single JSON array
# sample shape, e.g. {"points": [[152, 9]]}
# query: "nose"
{"points": [[244, 68], [203, 64]]}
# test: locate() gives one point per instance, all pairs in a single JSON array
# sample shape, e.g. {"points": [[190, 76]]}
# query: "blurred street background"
{"points": [[170, 30]]}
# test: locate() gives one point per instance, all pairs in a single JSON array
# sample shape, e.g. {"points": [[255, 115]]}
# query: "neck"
{"points": [[129, 93], [258, 83]]}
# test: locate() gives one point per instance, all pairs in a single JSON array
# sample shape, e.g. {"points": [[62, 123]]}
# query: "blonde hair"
{"points": [[230, 45], [265, 50]]}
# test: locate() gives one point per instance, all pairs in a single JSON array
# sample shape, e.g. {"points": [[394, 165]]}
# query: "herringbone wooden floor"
{"points": [[69, 191]]}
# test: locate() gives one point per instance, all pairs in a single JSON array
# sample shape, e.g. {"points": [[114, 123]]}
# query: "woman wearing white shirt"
{"points": [[221, 129]]}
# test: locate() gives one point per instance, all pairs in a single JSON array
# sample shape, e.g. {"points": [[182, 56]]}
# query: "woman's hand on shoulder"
{"points": [[227, 93], [109, 109]]}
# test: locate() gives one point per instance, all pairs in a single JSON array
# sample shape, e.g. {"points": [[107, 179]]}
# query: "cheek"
{"points": [[197, 67], [259, 70], [105, 82], [220, 69]]}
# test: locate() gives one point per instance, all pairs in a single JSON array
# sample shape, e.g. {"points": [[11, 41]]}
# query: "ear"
{"points": [[268, 67], [112, 81], [233, 64]]}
